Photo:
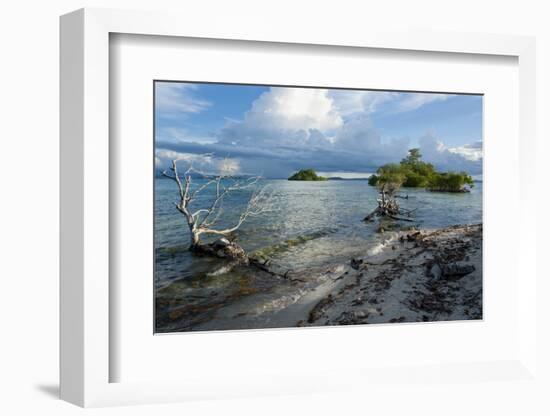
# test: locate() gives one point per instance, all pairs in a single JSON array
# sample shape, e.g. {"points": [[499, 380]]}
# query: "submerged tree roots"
{"points": [[223, 249], [388, 206]]}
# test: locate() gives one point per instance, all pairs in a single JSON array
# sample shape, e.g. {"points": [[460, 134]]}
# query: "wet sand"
{"points": [[424, 276], [412, 276]]}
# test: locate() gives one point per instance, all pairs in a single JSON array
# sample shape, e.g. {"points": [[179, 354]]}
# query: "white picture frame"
{"points": [[85, 212]]}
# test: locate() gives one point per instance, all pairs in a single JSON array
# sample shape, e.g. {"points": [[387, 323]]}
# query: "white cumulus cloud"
{"points": [[472, 151], [205, 163], [360, 135], [456, 159], [295, 109], [285, 117]]}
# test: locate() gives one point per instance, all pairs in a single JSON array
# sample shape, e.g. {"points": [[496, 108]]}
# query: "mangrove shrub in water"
{"points": [[415, 173], [450, 182]]}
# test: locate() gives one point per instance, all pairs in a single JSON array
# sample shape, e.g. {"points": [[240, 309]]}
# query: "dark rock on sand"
{"points": [[433, 275]]}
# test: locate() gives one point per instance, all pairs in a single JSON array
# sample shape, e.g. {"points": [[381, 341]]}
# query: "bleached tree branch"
{"points": [[203, 220]]}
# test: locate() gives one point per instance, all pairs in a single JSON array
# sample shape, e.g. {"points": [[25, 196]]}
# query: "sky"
{"points": [[275, 131]]}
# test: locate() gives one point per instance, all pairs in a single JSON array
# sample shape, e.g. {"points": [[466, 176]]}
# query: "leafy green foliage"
{"points": [[390, 177], [417, 173], [450, 182], [306, 175], [413, 157], [412, 172], [373, 180]]}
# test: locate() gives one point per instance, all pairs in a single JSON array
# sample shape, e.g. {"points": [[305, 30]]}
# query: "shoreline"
{"points": [[422, 276], [425, 275]]}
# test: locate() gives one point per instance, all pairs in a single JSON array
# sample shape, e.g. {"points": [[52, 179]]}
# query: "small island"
{"points": [[306, 175], [412, 172]]}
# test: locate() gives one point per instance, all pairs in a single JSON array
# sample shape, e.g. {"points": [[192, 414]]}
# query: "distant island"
{"points": [[306, 175], [339, 178], [412, 172]]}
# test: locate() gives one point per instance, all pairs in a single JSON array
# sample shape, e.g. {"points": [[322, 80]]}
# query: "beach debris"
{"points": [[317, 310], [435, 271], [353, 317], [356, 263], [433, 276], [414, 236], [397, 320], [457, 270], [358, 301]]}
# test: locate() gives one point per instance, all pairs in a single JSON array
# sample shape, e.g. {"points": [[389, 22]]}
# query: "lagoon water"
{"points": [[312, 224]]}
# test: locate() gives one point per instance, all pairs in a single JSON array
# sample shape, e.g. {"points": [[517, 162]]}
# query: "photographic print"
{"points": [[284, 206]]}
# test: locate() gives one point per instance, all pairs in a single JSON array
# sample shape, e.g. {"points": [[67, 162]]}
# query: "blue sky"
{"points": [[274, 131]]}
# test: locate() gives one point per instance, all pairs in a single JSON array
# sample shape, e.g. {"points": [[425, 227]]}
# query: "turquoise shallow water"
{"points": [[312, 224]]}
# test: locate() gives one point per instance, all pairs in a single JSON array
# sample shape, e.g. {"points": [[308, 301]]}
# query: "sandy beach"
{"points": [[413, 276], [420, 276]]}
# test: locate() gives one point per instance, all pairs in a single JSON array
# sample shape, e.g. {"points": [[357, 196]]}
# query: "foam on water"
{"points": [[379, 247], [313, 225]]}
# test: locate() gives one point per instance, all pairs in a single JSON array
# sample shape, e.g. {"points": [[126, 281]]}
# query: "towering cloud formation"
{"points": [[295, 109], [465, 158], [331, 130], [285, 117]]}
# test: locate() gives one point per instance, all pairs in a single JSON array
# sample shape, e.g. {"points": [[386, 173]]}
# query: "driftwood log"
{"points": [[235, 256]]}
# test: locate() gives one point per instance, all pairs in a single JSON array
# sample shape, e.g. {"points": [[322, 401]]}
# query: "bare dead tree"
{"points": [[388, 186], [205, 220]]}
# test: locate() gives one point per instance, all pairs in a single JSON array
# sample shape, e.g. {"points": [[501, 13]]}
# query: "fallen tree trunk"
{"points": [[393, 217], [373, 214], [224, 249], [235, 256]]}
